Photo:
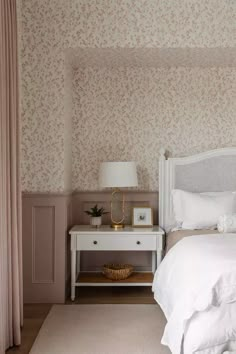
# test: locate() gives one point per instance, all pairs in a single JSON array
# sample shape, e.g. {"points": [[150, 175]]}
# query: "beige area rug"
{"points": [[102, 329]]}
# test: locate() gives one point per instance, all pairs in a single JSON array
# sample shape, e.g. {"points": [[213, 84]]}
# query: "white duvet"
{"points": [[195, 286]]}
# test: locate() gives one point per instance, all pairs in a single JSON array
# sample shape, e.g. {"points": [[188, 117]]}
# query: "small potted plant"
{"points": [[95, 214]]}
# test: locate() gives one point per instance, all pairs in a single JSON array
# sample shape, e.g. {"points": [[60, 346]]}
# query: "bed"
{"points": [[195, 284]]}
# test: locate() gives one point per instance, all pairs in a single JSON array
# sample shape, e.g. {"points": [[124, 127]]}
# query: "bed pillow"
{"points": [[227, 223], [201, 210]]}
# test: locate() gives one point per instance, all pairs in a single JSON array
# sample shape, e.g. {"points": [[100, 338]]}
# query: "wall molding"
{"points": [[26, 194]]}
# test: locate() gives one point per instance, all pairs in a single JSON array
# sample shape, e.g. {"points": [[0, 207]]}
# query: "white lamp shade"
{"points": [[118, 174]]}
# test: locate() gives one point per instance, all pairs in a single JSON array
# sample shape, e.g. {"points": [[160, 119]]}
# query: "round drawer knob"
{"points": [[95, 242], [138, 243]]}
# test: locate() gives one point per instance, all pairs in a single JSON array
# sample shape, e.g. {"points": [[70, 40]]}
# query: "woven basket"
{"points": [[117, 271]]}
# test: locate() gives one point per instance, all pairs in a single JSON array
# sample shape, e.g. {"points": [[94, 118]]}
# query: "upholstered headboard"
{"points": [[211, 171]]}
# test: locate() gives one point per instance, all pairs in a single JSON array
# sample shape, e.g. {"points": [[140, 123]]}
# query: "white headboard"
{"points": [[211, 171]]}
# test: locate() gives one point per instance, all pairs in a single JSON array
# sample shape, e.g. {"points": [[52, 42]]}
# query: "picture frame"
{"points": [[142, 216]]}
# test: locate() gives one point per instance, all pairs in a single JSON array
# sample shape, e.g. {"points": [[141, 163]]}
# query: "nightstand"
{"points": [[87, 238]]}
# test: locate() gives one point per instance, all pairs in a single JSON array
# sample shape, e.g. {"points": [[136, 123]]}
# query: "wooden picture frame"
{"points": [[142, 216]]}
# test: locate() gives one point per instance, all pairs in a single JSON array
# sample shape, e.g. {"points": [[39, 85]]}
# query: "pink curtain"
{"points": [[10, 194]]}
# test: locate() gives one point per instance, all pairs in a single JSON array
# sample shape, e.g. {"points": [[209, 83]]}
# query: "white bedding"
{"points": [[195, 282], [211, 331]]}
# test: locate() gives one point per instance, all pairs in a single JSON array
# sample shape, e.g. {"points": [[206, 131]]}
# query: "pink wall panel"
{"points": [[47, 219], [43, 244]]}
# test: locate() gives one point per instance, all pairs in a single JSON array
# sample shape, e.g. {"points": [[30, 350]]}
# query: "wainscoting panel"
{"points": [[82, 201], [43, 244], [46, 220]]}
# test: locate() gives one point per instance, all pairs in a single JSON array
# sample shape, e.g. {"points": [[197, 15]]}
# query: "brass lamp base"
{"points": [[117, 226]]}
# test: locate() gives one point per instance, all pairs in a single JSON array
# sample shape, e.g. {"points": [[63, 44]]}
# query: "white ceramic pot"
{"points": [[96, 221]]}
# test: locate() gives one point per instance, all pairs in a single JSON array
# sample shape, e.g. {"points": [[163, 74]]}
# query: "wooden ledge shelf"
{"points": [[98, 279]]}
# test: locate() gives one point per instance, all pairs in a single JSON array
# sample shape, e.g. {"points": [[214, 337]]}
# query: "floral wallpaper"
{"points": [[152, 23], [130, 113], [48, 29]]}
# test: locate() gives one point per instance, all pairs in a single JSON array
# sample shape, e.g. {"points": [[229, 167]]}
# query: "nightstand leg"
{"points": [[153, 262], [73, 274], [159, 258], [78, 262]]}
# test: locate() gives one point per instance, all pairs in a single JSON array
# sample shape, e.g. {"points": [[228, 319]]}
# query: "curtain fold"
{"points": [[11, 299]]}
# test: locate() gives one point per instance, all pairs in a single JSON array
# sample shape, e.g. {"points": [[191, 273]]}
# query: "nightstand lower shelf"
{"points": [[98, 279]]}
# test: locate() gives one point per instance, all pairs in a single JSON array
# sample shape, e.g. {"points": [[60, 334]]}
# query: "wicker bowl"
{"points": [[117, 271]]}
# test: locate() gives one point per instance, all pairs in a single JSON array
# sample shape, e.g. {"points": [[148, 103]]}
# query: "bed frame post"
{"points": [[162, 159]]}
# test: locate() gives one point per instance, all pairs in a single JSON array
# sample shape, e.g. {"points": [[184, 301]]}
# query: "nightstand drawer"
{"points": [[116, 243]]}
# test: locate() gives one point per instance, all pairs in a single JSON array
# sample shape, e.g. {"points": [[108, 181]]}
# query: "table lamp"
{"points": [[118, 175]]}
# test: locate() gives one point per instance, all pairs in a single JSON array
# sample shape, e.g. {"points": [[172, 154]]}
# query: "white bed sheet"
{"points": [[197, 276]]}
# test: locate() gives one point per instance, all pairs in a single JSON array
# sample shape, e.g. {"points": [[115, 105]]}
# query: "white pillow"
{"points": [[201, 210], [227, 223]]}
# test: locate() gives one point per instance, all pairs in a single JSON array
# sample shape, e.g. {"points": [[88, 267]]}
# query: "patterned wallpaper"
{"points": [[151, 23], [130, 113], [50, 27]]}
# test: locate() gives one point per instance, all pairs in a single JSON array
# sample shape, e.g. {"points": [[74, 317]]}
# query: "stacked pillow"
{"points": [[227, 223], [201, 210]]}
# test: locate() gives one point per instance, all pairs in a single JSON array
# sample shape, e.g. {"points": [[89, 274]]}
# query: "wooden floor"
{"points": [[34, 314]]}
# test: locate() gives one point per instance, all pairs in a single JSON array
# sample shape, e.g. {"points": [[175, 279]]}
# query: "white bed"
{"points": [[195, 284]]}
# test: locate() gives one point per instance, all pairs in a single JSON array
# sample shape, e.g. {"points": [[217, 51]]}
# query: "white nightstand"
{"points": [[87, 238]]}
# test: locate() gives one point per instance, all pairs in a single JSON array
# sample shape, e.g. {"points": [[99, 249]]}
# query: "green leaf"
{"points": [[95, 211]]}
